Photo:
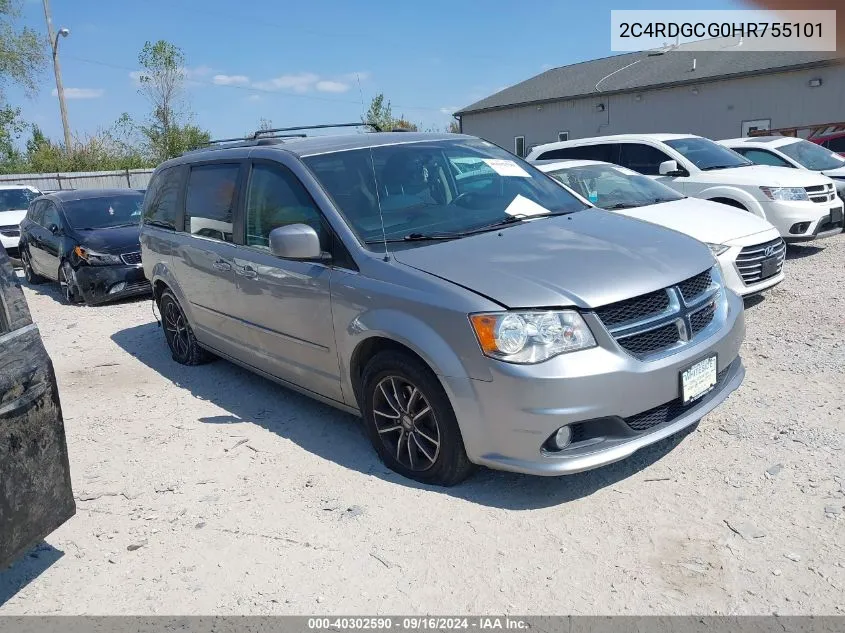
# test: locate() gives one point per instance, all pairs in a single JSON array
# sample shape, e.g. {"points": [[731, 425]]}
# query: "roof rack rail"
{"points": [[273, 136], [259, 133]]}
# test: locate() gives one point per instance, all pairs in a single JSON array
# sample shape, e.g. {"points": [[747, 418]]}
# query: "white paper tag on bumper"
{"points": [[506, 168]]}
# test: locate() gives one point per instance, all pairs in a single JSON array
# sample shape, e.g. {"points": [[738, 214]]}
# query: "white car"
{"points": [[14, 202], [749, 249], [802, 205], [788, 151]]}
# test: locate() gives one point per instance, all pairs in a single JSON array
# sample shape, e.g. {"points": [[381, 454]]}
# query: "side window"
{"points": [[211, 199], [519, 146], [161, 199], [607, 152], [275, 197], [763, 157], [642, 158], [36, 211], [836, 145], [51, 216], [563, 136]]}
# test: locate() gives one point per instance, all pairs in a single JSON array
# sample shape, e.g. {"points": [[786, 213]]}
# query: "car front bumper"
{"points": [[506, 422], [10, 242], [785, 215], [729, 267], [99, 284]]}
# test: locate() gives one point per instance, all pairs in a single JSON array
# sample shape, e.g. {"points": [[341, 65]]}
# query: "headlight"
{"points": [[717, 249], [785, 193], [531, 337], [97, 259]]}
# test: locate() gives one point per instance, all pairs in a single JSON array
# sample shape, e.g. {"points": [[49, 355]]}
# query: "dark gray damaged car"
{"points": [[35, 487]]}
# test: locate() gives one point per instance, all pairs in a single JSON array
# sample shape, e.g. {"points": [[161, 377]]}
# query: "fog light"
{"points": [[117, 287], [562, 438], [800, 227]]}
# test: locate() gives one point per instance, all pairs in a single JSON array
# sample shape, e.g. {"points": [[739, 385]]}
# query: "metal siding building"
{"points": [[714, 94]]}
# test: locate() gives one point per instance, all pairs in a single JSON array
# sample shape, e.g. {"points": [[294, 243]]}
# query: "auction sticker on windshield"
{"points": [[698, 379], [506, 167]]}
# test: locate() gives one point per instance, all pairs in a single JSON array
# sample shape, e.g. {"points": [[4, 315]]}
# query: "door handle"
{"points": [[247, 271], [221, 265]]}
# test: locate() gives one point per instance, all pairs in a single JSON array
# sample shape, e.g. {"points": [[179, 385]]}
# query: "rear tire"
{"points": [[177, 331], [410, 420], [31, 276]]}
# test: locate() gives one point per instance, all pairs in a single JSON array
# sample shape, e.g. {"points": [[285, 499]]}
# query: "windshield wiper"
{"points": [[513, 219], [712, 167], [623, 205], [415, 237], [117, 226]]}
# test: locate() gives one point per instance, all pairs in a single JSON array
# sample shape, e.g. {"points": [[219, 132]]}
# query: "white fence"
{"points": [[120, 179]]}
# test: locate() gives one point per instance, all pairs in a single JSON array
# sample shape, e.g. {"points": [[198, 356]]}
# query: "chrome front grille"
{"points": [[750, 260], [661, 321], [821, 194], [131, 258]]}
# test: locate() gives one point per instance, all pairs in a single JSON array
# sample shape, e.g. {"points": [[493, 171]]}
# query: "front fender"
{"points": [[736, 194]]}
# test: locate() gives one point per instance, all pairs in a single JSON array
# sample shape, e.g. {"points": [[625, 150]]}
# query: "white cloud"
{"points": [[301, 82], [81, 93], [230, 80], [449, 110], [332, 86], [199, 72], [254, 98]]}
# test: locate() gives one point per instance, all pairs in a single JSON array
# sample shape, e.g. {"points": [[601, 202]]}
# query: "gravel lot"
{"points": [[210, 490]]}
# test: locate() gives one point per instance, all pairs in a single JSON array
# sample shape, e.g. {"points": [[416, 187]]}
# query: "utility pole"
{"points": [[60, 90]]}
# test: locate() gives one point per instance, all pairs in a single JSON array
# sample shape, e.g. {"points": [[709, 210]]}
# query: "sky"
{"points": [[312, 61]]}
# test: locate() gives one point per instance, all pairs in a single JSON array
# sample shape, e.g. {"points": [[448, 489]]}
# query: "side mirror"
{"points": [[670, 168], [54, 229], [295, 241]]}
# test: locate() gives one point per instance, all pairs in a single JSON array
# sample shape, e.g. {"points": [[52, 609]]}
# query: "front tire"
{"points": [[70, 291], [177, 331], [410, 421]]}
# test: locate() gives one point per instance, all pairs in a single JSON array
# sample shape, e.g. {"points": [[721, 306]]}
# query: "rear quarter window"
{"points": [[608, 153], [161, 202]]}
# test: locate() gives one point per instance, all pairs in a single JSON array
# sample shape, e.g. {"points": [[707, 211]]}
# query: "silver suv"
{"points": [[470, 309]]}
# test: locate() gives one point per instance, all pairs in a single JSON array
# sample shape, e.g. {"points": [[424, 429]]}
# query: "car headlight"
{"points": [[717, 249], [97, 259], [528, 337], [785, 193]]}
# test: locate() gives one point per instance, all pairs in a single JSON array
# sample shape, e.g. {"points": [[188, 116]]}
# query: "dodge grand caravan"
{"points": [[470, 309]]}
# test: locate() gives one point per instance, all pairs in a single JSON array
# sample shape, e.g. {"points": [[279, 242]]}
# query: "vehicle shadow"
{"points": [[339, 437], [800, 251], [26, 569], [753, 301]]}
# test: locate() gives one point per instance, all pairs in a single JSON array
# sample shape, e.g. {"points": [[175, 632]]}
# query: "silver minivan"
{"points": [[470, 309]]}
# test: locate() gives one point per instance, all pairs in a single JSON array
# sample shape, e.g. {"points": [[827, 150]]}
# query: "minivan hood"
{"points": [[122, 239], [586, 259], [702, 219], [762, 176]]}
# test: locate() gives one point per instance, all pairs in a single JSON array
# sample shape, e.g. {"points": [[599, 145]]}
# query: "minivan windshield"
{"points": [[612, 187], [439, 189], [104, 212], [707, 155], [812, 156], [16, 199]]}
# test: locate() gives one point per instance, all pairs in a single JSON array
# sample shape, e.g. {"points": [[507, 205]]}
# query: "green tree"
{"points": [[168, 131], [454, 127], [380, 113]]}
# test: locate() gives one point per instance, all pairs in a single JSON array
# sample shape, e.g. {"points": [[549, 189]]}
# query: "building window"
{"points": [[519, 146], [563, 136]]}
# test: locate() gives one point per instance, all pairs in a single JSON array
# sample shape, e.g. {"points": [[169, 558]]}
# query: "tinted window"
{"points": [[706, 155], [519, 146], [16, 199], [276, 197], [436, 187], [210, 200], [608, 153], [51, 216], [812, 156], [642, 158], [762, 157], [104, 211], [36, 213], [162, 197], [836, 144]]}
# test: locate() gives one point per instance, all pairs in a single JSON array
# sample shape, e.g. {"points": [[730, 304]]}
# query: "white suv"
{"points": [[14, 202], [802, 205]]}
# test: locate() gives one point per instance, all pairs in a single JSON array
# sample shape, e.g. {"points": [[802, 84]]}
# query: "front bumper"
{"points": [[10, 243], [785, 215], [730, 272], [99, 284], [505, 422]]}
